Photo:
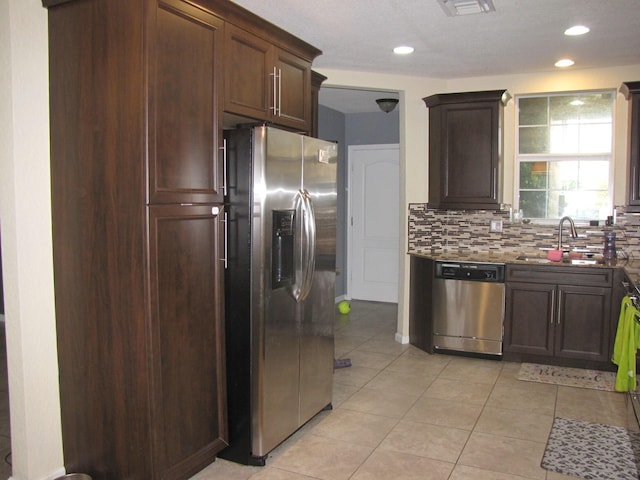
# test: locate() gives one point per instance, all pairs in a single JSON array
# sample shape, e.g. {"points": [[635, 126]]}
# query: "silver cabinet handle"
{"points": [[279, 111], [226, 241], [224, 167], [275, 89]]}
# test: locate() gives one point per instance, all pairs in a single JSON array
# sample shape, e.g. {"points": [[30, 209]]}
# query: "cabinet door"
{"points": [[185, 48], [265, 82], [469, 158], [187, 360], [529, 318], [249, 79], [583, 323], [293, 91]]}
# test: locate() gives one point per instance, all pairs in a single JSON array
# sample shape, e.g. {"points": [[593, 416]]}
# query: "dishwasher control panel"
{"points": [[479, 272]]}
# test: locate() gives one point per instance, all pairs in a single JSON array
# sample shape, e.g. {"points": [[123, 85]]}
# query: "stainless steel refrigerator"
{"points": [[279, 285]]}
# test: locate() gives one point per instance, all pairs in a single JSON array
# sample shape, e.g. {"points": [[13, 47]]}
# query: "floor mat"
{"points": [[571, 377], [592, 451]]}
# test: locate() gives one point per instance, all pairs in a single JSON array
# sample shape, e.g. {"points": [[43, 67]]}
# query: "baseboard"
{"points": [[60, 473], [402, 339], [341, 298]]}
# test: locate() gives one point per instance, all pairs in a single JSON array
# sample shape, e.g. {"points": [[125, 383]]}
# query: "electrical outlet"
{"points": [[495, 226]]}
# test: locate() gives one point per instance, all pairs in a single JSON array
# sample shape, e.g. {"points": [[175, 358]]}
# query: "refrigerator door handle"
{"points": [[306, 247], [309, 265], [298, 283]]}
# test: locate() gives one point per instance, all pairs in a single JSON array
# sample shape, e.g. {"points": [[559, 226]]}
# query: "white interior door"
{"points": [[374, 195]]}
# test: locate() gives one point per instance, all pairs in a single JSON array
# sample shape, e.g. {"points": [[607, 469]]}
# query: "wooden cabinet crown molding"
{"points": [[630, 88], [243, 18], [247, 20], [464, 97]]}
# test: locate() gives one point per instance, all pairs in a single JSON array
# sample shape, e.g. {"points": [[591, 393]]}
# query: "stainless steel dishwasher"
{"points": [[468, 307]]}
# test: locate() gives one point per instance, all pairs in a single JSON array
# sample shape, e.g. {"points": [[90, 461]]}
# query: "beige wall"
{"points": [[414, 138], [25, 220]]}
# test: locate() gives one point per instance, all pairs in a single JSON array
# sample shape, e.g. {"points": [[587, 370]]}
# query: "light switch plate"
{"points": [[495, 226]]}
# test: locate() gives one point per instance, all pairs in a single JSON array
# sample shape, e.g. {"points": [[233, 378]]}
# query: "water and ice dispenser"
{"points": [[282, 266]]}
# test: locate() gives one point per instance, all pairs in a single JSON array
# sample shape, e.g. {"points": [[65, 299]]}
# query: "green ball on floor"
{"points": [[344, 307]]}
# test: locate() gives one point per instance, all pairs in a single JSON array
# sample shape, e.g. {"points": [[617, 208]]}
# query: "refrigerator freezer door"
{"points": [[317, 349], [275, 343]]}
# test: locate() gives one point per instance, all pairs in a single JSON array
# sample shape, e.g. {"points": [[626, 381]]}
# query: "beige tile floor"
{"points": [[400, 413]]}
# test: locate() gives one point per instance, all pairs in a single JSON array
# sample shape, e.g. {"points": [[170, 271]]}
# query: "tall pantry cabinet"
{"points": [[135, 93]]}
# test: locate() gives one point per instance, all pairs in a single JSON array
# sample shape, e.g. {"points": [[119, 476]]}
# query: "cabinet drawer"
{"points": [[587, 276]]}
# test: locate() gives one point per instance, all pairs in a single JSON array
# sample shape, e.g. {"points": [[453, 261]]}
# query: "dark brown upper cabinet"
{"points": [[185, 63], [465, 149], [631, 91], [264, 81]]}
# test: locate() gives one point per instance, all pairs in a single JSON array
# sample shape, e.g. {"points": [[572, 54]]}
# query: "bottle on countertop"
{"points": [[609, 251]]}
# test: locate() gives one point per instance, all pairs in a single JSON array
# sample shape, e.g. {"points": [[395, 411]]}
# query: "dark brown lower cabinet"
{"points": [[186, 332], [420, 303], [553, 323], [141, 353]]}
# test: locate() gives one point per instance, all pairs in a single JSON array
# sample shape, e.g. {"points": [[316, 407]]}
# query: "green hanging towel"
{"points": [[626, 345]]}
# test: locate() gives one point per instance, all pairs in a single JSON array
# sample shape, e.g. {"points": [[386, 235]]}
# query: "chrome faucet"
{"points": [[574, 233]]}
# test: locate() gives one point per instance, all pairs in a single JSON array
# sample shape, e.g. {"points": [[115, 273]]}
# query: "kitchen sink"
{"points": [[532, 259], [567, 260]]}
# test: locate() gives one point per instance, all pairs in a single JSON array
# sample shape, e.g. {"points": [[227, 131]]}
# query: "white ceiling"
{"points": [[521, 36]]}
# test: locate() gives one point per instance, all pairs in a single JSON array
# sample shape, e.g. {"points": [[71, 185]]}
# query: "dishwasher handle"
{"points": [[478, 272]]}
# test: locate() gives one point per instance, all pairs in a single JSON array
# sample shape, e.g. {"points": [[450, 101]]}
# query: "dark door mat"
{"points": [[593, 451]]}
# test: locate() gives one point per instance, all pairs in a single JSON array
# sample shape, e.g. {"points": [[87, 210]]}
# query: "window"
{"points": [[564, 155]]}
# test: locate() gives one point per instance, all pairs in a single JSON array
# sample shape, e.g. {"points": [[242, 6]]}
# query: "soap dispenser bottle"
{"points": [[609, 251]]}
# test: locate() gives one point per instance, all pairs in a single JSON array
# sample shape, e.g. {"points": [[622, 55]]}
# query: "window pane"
{"points": [[565, 138], [593, 204], [563, 175], [594, 175], [579, 204], [534, 175], [533, 204], [560, 204], [595, 138], [534, 140], [533, 111], [596, 108], [563, 110]]}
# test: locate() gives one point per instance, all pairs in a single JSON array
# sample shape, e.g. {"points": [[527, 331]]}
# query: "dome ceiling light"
{"points": [[454, 8], [387, 104]]}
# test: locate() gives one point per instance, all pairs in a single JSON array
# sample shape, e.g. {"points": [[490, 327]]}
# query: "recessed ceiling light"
{"points": [[403, 50], [576, 30], [565, 62]]}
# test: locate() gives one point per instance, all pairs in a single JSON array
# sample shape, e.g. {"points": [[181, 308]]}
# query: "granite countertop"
{"points": [[630, 266]]}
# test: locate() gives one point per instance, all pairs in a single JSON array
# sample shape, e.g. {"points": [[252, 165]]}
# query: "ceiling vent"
{"points": [[454, 8]]}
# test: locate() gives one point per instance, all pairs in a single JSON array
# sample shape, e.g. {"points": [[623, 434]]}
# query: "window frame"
{"points": [[553, 157]]}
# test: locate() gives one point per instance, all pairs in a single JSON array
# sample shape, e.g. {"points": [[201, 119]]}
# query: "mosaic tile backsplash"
{"points": [[432, 231]]}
